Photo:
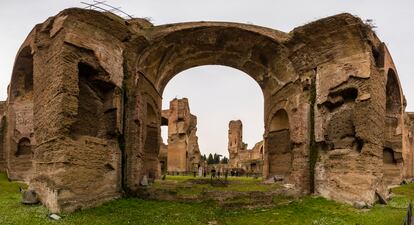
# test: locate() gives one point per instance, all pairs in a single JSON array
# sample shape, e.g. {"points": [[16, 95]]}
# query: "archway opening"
{"points": [[21, 85], [20, 128], [279, 145], [201, 102], [393, 95], [24, 147], [392, 154], [240, 47], [152, 142], [388, 156]]}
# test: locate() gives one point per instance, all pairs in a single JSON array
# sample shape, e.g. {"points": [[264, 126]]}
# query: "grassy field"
{"points": [[308, 210], [187, 186]]}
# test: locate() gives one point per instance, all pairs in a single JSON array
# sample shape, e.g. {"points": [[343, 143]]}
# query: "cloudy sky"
{"points": [[219, 94]]}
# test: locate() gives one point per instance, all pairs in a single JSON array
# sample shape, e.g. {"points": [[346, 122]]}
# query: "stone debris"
{"points": [[54, 216], [144, 181], [274, 179], [360, 205], [289, 186], [278, 178], [29, 197]]}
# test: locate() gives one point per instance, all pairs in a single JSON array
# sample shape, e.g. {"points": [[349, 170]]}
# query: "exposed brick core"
{"points": [[96, 116]]}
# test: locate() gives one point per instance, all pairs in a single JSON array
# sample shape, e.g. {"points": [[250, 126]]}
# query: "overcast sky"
{"points": [[212, 101]]}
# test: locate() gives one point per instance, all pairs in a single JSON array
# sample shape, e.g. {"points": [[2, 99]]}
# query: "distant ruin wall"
{"points": [[183, 151], [241, 158]]}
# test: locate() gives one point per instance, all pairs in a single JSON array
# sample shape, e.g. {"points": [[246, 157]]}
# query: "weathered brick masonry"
{"points": [[82, 120]]}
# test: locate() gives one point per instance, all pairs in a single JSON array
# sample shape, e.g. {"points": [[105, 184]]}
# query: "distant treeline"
{"points": [[215, 159]]}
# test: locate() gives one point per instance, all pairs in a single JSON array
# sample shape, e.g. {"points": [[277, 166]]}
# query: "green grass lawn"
{"points": [[308, 210]]}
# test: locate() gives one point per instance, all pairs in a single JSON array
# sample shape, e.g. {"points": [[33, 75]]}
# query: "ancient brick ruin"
{"points": [[249, 160], [81, 124], [183, 153]]}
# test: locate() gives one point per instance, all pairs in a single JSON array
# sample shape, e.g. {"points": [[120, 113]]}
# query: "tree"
{"points": [[225, 160], [210, 159], [216, 158]]}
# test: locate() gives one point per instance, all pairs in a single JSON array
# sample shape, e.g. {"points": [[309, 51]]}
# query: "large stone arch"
{"points": [[325, 75], [195, 44], [259, 52]]}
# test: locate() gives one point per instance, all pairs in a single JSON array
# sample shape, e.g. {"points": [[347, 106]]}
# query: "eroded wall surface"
{"points": [[83, 115]]}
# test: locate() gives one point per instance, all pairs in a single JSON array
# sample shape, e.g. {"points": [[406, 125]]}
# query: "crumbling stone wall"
{"points": [[236, 143], [334, 121], [183, 150], [250, 160], [76, 113]]}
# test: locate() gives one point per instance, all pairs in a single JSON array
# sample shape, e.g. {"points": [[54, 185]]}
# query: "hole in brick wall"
{"points": [[393, 95], [359, 144], [388, 156], [378, 55], [109, 167], [349, 94], [24, 147], [338, 98], [96, 115], [164, 121]]}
